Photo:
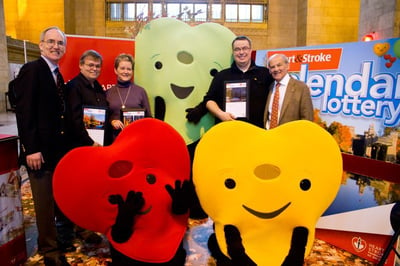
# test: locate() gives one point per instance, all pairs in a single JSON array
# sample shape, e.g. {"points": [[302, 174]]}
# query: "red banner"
{"points": [[109, 48]]}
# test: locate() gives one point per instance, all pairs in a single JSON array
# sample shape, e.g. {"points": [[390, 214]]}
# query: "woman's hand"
{"points": [[117, 124]]}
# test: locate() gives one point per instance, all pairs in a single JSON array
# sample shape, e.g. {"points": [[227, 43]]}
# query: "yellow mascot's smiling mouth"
{"points": [[266, 215]]}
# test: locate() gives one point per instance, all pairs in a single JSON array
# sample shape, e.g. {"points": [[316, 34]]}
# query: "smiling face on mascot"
{"points": [[266, 189], [123, 187], [175, 63]]}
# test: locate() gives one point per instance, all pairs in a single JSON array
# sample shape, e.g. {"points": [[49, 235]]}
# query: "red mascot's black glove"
{"points": [[182, 196], [122, 230]]}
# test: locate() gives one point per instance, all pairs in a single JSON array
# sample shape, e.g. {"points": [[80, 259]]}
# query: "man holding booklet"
{"points": [[239, 92], [87, 103]]}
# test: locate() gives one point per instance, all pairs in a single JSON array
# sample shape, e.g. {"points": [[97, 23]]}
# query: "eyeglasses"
{"points": [[93, 65], [244, 49], [51, 42]]}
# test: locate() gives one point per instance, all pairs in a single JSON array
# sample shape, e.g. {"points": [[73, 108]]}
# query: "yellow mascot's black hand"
{"points": [[297, 247], [236, 249]]}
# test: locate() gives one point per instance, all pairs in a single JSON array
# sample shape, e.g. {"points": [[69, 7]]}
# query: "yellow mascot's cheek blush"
{"points": [[266, 183]]}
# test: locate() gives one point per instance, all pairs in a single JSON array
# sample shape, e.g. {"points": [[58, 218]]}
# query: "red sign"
{"points": [[317, 59], [109, 48], [368, 246]]}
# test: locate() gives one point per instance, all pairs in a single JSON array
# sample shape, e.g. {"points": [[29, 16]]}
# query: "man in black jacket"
{"points": [[85, 90], [40, 113], [243, 69]]}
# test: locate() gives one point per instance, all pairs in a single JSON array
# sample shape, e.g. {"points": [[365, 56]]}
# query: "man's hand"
{"points": [[225, 116], [96, 144], [213, 107], [35, 160]]}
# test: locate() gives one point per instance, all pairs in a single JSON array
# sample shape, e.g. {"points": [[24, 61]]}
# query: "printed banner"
{"points": [[12, 234], [355, 84], [355, 89]]}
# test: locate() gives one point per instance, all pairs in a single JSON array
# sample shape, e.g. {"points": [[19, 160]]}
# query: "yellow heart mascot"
{"points": [[265, 189]]}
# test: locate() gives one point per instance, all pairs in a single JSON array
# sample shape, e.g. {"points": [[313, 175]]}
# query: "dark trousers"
{"points": [[196, 211], [47, 213]]}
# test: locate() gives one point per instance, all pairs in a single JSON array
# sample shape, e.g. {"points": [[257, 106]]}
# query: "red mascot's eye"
{"points": [[119, 169], [151, 179]]}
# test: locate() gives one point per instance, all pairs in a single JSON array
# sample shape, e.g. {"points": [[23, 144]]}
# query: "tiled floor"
{"points": [[195, 239]]}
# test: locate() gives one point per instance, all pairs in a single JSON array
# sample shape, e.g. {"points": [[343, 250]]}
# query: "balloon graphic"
{"points": [[396, 48], [381, 48]]}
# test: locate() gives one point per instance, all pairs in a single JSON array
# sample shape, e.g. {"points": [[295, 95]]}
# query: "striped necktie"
{"points": [[60, 88], [275, 108]]}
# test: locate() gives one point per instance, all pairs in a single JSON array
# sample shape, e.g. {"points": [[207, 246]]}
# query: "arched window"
{"points": [[247, 11]]}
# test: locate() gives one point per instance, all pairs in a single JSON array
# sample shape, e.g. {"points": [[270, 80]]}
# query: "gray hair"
{"points": [[284, 57], [43, 33]]}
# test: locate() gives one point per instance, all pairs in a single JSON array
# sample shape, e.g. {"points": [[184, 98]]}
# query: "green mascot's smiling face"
{"points": [[174, 61]]}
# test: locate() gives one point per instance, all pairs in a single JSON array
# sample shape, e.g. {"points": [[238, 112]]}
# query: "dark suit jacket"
{"points": [[297, 104], [40, 116]]}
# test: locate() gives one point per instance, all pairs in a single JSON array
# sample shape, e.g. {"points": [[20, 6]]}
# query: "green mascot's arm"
{"points": [[159, 108], [196, 113]]}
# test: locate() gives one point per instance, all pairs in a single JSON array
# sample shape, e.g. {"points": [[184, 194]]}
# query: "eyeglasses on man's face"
{"points": [[239, 49], [51, 42], [91, 65]]}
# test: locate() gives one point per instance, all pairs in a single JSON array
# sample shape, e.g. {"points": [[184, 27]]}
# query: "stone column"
{"points": [[4, 69], [381, 18]]}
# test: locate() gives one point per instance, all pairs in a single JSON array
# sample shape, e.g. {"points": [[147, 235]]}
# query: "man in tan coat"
{"points": [[294, 98]]}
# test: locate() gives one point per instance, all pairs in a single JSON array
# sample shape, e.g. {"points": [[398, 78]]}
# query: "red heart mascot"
{"points": [[135, 191]]}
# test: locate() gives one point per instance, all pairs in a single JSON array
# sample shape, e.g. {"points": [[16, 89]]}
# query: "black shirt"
{"points": [[259, 79]]}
